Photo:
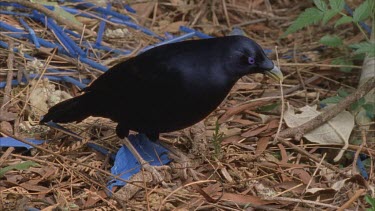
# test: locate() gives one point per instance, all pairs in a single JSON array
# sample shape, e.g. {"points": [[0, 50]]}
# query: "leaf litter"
{"points": [[251, 169]]}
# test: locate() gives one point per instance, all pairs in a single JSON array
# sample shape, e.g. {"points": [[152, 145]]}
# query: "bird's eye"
{"points": [[251, 60]]}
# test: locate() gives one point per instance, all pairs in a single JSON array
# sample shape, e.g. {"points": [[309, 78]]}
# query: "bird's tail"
{"points": [[74, 109]]}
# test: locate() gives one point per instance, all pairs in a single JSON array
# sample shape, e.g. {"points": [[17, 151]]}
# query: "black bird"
{"points": [[169, 87]]}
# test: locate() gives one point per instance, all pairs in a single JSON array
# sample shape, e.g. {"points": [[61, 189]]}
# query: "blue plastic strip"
{"points": [[11, 142], [136, 27], [129, 8], [7, 4], [14, 13], [32, 33], [362, 169], [101, 150], [72, 33], [76, 50], [93, 64], [361, 23], [77, 12], [126, 165], [197, 33], [173, 40], [102, 10], [69, 79], [102, 27]]}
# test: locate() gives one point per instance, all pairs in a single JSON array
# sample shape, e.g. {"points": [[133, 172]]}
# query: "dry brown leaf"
{"points": [[303, 175], [231, 139], [262, 145], [284, 155], [238, 109], [244, 199], [335, 131], [292, 185], [174, 27], [32, 187]]}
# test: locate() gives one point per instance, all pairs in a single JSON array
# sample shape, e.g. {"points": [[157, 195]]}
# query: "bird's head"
{"points": [[248, 57]]}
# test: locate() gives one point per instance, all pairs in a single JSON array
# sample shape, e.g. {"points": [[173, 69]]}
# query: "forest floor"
{"points": [[238, 154]]}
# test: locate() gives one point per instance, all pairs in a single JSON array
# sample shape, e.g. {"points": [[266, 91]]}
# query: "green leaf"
{"points": [[332, 100], [328, 15], [357, 104], [362, 12], [308, 17], [370, 200], [370, 109], [342, 93], [269, 107], [343, 20], [343, 61], [321, 5], [20, 166], [331, 41], [337, 5], [364, 47]]}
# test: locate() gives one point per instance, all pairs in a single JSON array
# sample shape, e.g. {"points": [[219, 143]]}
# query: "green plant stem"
{"points": [[358, 26]]}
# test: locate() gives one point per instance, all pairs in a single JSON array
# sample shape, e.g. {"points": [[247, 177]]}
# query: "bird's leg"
{"points": [[145, 165]]}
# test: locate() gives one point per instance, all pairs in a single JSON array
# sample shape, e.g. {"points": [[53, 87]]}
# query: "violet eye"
{"points": [[251, 60]]}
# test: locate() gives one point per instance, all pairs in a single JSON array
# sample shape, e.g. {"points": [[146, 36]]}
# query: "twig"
{"points": [[59, 19], [298, 132], [301, 201], [320, 65], [357, 194], [8, 86], [354, 168]]}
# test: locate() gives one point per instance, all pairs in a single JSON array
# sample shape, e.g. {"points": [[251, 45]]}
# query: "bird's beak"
{"points": [[275, 73]]}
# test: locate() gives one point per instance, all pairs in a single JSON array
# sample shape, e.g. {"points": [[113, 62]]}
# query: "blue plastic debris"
{"points": [[31, 32], [361, 166], [11, 142], [126, 165], [101, 28], [175, 39], [129, 8], [361, 23], [197, 33]]}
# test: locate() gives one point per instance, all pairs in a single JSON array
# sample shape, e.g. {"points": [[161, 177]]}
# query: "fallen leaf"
{"points": [[262, 144], [335, 131], [244, 199]]}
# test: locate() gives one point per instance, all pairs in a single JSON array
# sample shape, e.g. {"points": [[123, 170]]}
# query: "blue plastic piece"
{"points": [[31, 32], [101, 150], [361, 23], [361, 166], [197, 33], [102, 10], [14, 13], [102, 27], [126, 165], [237, 31], [129, 8], [72, 33], [136, 27], [69, 79], [173, 40], [109, 49], [94, 64], [7, 4], [11, 142]]}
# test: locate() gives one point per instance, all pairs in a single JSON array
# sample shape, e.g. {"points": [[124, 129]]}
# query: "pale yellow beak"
{"points": [[275, 73]]}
